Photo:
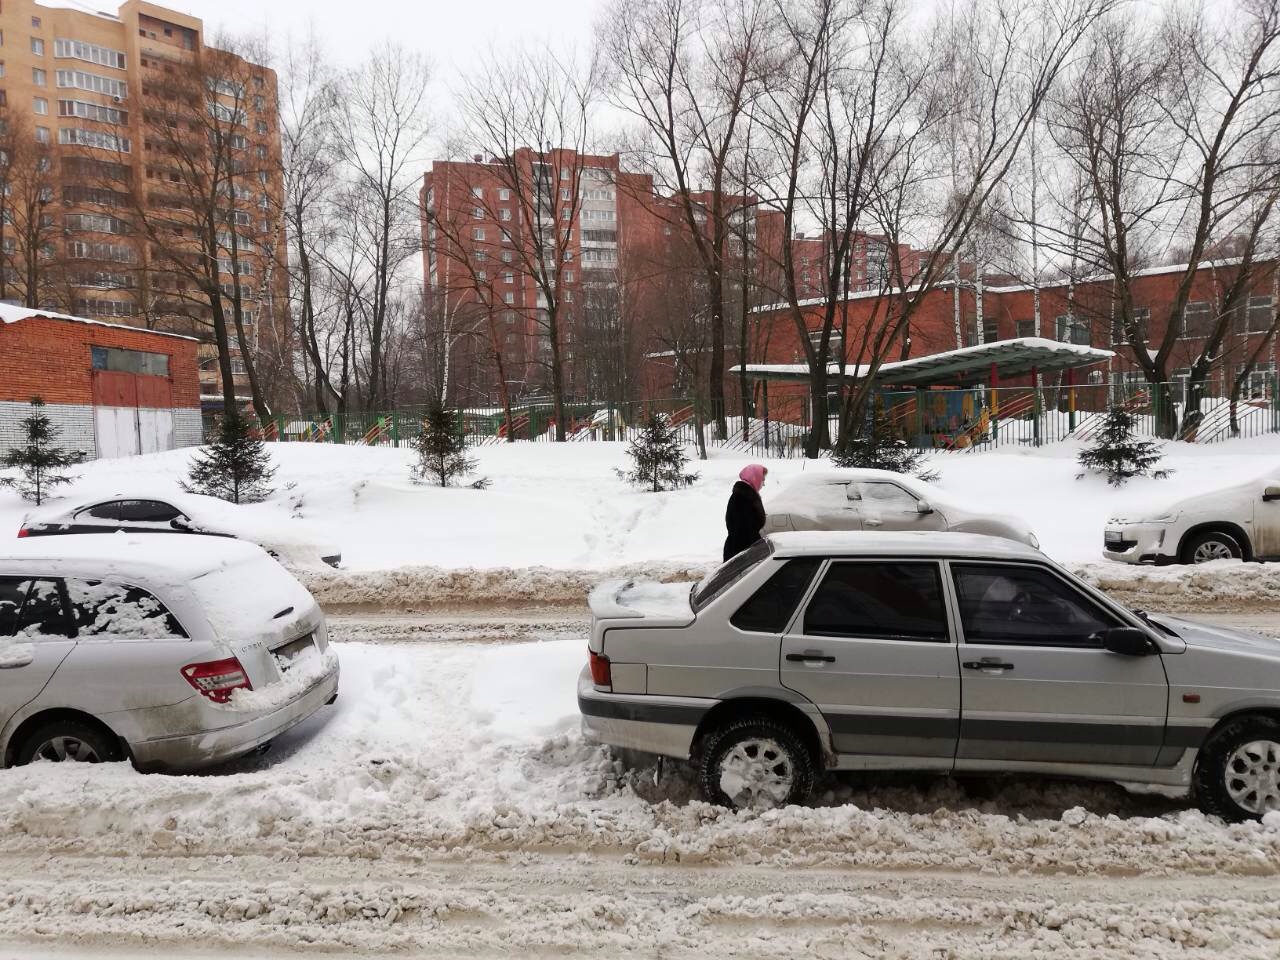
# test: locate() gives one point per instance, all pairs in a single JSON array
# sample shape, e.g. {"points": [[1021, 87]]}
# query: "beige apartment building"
{"points": [[104, 200]]}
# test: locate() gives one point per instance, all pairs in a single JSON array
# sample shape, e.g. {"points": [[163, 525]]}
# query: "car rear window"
{"points": [[770, 607], [729, 573], [245, 597]]}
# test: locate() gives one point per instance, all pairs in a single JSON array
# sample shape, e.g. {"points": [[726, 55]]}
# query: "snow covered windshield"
{"points": [[245, 597], [729, 572]]}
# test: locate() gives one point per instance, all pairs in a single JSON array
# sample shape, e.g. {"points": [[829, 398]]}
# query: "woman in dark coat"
{"points": [[744, 517]]}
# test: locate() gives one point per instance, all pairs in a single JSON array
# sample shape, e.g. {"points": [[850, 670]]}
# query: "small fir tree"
{"points": [[235, 467], [1119, 454], [657, 458], [881, 448], [442, 451], [40, 461]]}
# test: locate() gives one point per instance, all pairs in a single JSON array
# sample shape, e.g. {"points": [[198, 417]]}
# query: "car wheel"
{"points": [[69, 740], [755, 763], [1237, 774], [1214, 545]]}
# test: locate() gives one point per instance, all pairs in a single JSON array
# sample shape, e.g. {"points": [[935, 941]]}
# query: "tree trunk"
{"points": [[715, 373], [557, 374]]}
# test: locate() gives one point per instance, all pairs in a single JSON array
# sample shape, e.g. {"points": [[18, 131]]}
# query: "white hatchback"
{"points": [[174, 652], [1240, 522]]}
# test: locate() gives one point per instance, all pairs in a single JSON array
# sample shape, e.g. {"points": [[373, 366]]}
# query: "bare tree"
{"points": [[28, 257], [381, 129], [685, 71], [530, 115]]}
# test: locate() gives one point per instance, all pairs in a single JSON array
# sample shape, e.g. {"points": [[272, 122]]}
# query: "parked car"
{"points": [[880, 500], [955, 653], [142, 512], [168, 651], [1241, 522]]}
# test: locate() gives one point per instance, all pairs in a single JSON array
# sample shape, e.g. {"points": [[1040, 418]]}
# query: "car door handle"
{"points": [[873, 523], [987, 663], [810, 656]]}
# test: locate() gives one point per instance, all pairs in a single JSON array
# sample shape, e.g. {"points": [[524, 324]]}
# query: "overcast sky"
{"points": [[449, 32]]}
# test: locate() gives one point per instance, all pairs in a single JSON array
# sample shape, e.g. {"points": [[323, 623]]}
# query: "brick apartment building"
{"points": [[110, 390], [867, 263], [619, 237], [1081, 314], [87, 87]]}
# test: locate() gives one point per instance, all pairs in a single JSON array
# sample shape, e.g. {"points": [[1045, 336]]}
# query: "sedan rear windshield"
{"points": [[729, 572]]}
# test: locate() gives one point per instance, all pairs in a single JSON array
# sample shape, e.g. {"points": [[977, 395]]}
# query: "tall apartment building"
{"points": [[615, 234], [867, 263], [93, 96]]}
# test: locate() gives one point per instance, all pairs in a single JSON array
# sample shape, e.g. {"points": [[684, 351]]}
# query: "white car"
{"points": [[141, 511], [880, 500], [145, 648], [1240, 522]]}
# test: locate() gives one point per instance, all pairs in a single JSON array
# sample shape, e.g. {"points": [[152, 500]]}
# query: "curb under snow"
{"points": [[1223, 584]]}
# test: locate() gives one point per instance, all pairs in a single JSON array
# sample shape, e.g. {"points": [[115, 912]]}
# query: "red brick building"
{"points": [[111, 390], [867, 263]]}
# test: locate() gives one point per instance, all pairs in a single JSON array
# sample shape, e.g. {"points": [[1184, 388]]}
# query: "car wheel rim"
{"points": [[58, 749], [1252, 776], [1212, 550], [757, 774]]}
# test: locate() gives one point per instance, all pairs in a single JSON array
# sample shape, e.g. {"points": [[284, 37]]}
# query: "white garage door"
{"points": [[116, 430], [155, 429]]}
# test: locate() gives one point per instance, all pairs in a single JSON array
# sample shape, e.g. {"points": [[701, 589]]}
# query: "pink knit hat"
{"points": [[753, 475]]}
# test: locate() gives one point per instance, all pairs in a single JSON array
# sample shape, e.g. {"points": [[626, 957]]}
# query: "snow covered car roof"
{"points": [[930, 543], [170, 559]]}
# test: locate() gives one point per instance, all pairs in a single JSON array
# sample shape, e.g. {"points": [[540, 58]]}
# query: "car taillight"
{"points": [[23, 532], [600, 675], [217, 678]]}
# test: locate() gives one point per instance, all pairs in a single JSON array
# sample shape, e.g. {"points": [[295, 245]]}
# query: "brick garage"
{"points": [[111, 390]]}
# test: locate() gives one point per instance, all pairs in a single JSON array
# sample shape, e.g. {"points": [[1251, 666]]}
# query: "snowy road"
{"points": [[445, 806]]}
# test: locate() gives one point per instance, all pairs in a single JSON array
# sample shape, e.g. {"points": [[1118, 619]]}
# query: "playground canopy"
{"points": [[984, 363]]}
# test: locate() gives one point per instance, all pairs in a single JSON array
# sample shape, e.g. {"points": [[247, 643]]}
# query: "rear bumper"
{"points": [[194, 751], [662, 725]]}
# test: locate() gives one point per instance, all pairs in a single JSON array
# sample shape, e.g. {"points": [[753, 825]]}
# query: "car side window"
{"points": [[1026, 606], [771, 606], [147, 511], [884, 498], [102, 511], [117, 611], [34, 610], [879, 600]]}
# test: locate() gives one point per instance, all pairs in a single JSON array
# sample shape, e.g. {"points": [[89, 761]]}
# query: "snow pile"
{"points": [[302, 673], [1230, 583]]}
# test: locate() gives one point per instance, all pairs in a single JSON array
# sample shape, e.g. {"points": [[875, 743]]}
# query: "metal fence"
{"points": [[955, 420]]}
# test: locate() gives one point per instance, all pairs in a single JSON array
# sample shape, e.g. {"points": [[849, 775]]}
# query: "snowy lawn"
{"points": [[562, 505], [472, 752]]}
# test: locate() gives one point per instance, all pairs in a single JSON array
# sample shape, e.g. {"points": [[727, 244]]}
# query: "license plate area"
{"points": [[1113, 537], [287, 653]]}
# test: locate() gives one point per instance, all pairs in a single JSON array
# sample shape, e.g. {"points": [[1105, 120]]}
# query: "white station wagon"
{"points": [[955, 652], [174, 652]]}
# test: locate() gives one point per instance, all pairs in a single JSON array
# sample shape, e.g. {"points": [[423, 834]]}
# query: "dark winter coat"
{"points": [[744, 518]]}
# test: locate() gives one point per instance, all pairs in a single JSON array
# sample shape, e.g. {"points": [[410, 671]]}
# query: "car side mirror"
{"points": [[1126, 641], [179, 524], [1270, 493], [923, 506]]}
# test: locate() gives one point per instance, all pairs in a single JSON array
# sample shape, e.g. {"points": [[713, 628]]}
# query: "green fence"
{"points": [[960, 420]]}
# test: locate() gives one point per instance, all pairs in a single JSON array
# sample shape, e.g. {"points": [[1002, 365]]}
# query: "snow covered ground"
{"points": [[556, 515], [446, 805]]}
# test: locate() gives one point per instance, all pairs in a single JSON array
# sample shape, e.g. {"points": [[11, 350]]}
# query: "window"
{"points": [[504, 194], [504, 214], [90, 307], [98, 139], [566, 213], [117, 611], [1027, 606], [91, 52], [147, 511], [770, 608], [477, 233], [567, 276], [508, 297], [130, 361], [506, 256], [39, 77], [564, 173], [565, 193], [482, 275], [94, 83], [729, 573], [31, 608], [37, 46], [508, 277], [1257, 316], [1026, 328], [883, 499], [259, 103], [567, 297], [42, 134], [224, 113], [40, 105], [35, 22], [95, 223], [879, 601], [1, 68], [477, 192], [1073, 329], [261, 128], [477, 212], [1197, 319], [990, 329]]}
